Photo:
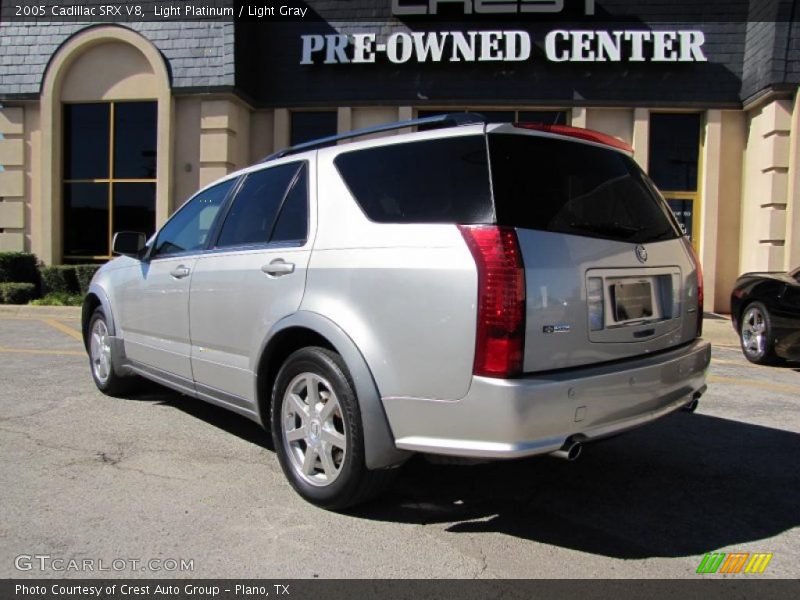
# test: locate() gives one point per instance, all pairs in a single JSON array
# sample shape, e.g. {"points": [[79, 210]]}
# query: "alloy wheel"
{"points": [[314, 433], [754, 332], [100, 351]]}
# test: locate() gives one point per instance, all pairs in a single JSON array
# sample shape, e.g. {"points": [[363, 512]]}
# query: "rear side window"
{"points": [[432, 181], [292, 222], [267, 198], [568, 187]]}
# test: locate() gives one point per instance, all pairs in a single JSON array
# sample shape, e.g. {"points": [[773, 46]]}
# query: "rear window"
{"points": [[567, 187], [431, 181]]}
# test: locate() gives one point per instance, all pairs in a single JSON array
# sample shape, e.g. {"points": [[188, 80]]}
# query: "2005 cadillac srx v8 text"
{"points": [[473, 290]]}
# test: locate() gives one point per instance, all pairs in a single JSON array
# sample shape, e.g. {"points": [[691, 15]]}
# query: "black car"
{"points": [[765, 310]]}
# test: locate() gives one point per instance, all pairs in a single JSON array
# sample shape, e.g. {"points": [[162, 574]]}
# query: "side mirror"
{"points": [[128, 243]]}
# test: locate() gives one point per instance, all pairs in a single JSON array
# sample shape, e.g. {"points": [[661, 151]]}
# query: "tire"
{"points": [[318, 434], [101, 359], [755, 335]]}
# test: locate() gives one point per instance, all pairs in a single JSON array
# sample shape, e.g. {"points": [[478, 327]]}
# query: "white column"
{"points": [[791, 258], [641, 137], [709, 203]]}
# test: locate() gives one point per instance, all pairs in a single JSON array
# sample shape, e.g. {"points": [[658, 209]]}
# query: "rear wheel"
{"points": [[318, 434], [755, 335], [101, 358]]}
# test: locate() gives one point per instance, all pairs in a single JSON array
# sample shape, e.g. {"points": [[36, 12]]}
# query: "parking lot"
{"points": [[162, 476]]}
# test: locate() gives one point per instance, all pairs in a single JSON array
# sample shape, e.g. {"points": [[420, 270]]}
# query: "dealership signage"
{"points": [[483, 7], [559, 45]]}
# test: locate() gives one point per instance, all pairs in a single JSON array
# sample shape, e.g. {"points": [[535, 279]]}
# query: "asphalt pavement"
{"points": [[164, 477]]}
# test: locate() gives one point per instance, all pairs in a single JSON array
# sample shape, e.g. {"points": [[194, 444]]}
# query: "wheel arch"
{"points": [[96, 297], [763, 292], [304, 329]]}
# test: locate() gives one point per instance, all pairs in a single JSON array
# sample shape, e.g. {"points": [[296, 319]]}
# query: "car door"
{"points": [[153, 306], [791, 297], [789, 311], [254, 276]]}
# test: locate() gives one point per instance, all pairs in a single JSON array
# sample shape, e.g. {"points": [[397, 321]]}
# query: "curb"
{"points": [[720, 333]]}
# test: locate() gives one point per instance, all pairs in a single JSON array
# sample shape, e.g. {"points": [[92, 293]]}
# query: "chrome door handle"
{"points": [[278, 267], [179, 272]]}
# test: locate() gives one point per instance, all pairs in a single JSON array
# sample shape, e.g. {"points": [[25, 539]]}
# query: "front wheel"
{"points": [[755, 335], [317, 431], [101, 358]]}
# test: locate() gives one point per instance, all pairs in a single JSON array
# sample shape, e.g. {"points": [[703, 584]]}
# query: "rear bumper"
{"points": [[537, 414]]}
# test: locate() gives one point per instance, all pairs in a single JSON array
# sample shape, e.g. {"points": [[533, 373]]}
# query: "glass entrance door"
{"points": [[683, 206], [674, 166]]}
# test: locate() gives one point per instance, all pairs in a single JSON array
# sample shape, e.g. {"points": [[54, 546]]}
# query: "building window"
{"points": [[109, 175], [674, 165], [311, 125], [549, 117]]}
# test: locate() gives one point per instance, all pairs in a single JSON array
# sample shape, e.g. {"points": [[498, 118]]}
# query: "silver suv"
{"points": [[473, 290]]}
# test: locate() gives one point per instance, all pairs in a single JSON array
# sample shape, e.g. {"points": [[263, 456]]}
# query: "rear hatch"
{"points": [[608, 274]]}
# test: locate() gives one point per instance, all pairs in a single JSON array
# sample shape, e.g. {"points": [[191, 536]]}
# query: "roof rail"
{"points": [[446, 120]]}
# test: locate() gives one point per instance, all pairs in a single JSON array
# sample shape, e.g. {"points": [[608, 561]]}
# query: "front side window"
{"points": [[270, 204], [109, 174], [189, 228], [292, 222]]}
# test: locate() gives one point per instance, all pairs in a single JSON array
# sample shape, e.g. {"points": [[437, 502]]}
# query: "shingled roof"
{"points": [[199, 54]]}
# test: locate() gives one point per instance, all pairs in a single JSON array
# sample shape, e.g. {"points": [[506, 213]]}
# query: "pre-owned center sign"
{"points": [[484, 7], [560, 45]]}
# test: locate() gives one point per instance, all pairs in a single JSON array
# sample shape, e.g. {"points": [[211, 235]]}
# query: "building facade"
{"points": [[112, 126]]}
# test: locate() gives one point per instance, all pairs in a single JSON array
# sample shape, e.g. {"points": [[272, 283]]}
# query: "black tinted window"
{"points": [[85, 219], [307, 126], [135, 140], [256, 206], [434, 181], [292, 223], [568, 187], [188, 229], [548, 117], [674, 151], [135, 207], [86, 135]]}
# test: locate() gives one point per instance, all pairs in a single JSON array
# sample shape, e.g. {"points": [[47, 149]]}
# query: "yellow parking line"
{"points": [[764, 385], [4, 350], [738, 363], [73, 333], [8, 317]]}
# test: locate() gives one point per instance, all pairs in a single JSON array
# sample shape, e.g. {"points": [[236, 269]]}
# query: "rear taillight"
{"points": [[500, 336], [700, 294]]}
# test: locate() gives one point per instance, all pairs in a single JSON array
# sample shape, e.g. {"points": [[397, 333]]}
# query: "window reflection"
{"points": [[109, 173]]}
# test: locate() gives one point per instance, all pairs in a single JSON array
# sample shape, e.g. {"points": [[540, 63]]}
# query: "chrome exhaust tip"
{"points": [[691, 407], [693, 404], [570, 451]]}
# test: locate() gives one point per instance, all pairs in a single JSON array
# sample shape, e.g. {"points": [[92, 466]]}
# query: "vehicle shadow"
{"points": [[680, 487], [148, 391]]}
